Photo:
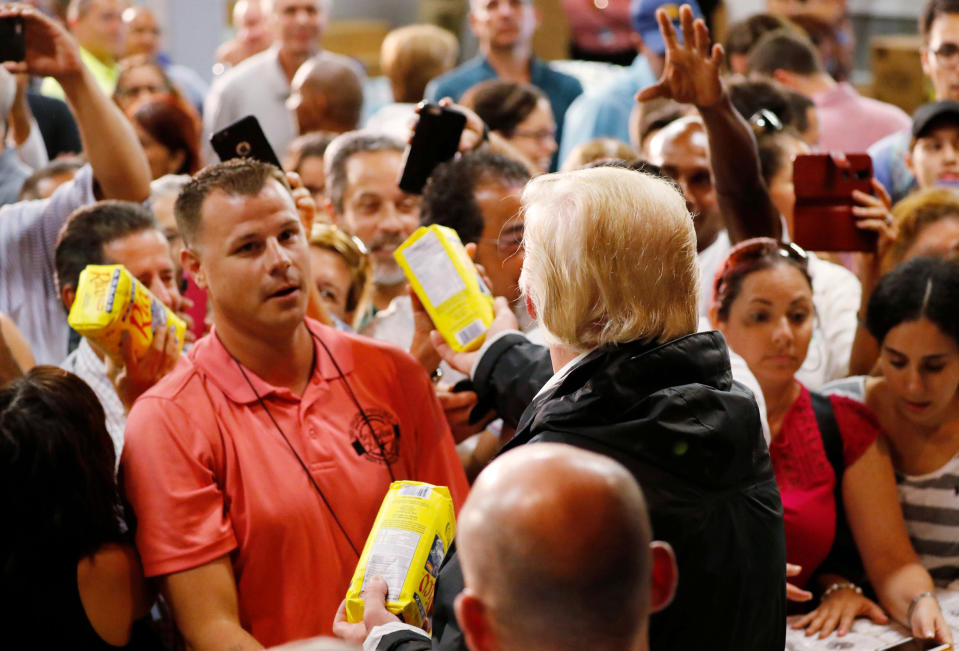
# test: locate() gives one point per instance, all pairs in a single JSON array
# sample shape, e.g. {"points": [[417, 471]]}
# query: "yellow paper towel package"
{"points": [[109, 301], [412, 532], [446, 282]]}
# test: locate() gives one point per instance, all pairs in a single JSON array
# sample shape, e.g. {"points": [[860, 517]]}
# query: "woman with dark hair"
{"points": [[69, 576], [169, 135], [828, 461], [521, 114], [914, 315]]}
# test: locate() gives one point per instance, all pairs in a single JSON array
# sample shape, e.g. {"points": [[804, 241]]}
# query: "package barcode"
{"points": [[415, 491], [470, 332]]}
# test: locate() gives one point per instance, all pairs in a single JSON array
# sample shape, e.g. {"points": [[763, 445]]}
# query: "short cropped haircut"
{"points": [[502, 105], [923, 288], [57, 167], [785, 50], [598, 149], [309, 145], [449, 195], [413, 55], [610, 258], [89, 229], [932, 10], [243, 177], [339, 152], [743, 35]]}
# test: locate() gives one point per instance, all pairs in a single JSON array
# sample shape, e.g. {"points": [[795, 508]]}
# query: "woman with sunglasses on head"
{"points": [[763, 305]]}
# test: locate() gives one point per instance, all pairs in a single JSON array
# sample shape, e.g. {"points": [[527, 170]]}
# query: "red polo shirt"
{"points": [[208, 474]]}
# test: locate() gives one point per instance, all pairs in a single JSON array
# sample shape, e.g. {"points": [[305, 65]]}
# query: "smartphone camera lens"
{"points": [[243, 148]]}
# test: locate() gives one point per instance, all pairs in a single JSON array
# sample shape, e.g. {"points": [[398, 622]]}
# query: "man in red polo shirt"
{"points": [[256, 468]]}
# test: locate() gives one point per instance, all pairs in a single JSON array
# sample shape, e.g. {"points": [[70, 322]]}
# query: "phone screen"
{"points": [[12, 39]]}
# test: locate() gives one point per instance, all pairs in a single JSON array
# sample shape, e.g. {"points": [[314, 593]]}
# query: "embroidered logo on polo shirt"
{"points": [[380, 439]]}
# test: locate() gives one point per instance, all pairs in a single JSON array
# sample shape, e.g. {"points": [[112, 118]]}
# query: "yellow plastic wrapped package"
{"points": [[446, 282], [412, 532], [109, 301]]}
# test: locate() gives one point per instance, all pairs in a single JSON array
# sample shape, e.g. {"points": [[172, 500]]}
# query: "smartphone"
{"points": [[435, 140], [244, 139], [822, 217], [914, 644], [13, 43]]}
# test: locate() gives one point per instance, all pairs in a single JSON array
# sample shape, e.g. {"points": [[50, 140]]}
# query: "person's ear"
{"points": [[474, 621], [190, 261], [714, 318], [328, 207], [67, 295], [924, 61], [785, 78], [530, 308], [664, 576], [907, 157], [176, 161]]}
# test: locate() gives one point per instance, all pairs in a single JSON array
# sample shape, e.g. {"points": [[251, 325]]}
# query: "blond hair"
{"points": [[610, 258], [913, 214], [413, 55]]}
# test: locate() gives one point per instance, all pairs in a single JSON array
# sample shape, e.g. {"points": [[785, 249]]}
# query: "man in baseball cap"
{"points": [[604, 112], [934, 151]]}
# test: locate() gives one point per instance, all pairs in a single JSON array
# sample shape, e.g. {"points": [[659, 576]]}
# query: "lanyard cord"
{"points": [[298, 458], [366, 419]]}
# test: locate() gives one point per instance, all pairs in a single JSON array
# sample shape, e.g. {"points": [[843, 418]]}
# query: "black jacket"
{"points": [[672, 414]]}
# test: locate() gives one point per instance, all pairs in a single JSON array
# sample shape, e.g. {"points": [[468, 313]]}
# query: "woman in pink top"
{"points": [[763, 305]]}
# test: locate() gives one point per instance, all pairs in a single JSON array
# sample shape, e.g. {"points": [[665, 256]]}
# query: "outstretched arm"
{"points": [[691, 76], [109, 142]]}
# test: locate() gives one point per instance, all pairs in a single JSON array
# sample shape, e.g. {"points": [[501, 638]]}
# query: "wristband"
{"points": [[915, 602], [835, 587]]}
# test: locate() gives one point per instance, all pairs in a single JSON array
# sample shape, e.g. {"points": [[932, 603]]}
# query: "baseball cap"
{"points": [[928, 114], [642, 13]]}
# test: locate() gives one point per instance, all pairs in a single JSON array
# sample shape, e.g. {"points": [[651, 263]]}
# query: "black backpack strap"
{"points": [[843, 558]]}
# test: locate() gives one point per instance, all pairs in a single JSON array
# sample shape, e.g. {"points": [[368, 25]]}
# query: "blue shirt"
{"points": [[889, 164], [604, 112], [561, 89]]}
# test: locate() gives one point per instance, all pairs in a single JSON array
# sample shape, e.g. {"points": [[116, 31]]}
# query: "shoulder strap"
{"points": [[829, 430]]}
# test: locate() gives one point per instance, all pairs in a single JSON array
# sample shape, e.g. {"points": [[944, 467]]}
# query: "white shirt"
{"points": [[85, 364], [28, 241]]}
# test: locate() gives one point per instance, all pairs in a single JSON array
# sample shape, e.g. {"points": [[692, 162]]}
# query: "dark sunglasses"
{"points": [[755, 251]]}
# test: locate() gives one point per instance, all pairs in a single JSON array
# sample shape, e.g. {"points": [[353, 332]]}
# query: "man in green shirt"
{"points": [[98, 27]]}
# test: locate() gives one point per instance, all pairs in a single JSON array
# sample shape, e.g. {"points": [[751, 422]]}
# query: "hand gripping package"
{"points": [[412, 532], [446, 282], [110, 301]]}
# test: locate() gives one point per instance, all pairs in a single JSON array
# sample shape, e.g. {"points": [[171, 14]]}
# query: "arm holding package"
{"points": [[509, 372], [109, 142]]}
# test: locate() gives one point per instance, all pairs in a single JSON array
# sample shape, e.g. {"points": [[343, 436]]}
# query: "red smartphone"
{"points": [[822, 217]]}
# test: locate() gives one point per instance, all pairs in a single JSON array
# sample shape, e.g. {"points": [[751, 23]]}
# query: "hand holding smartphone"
{"points": [[13, 43], [244, 139], [823, 219], [435, 140]]}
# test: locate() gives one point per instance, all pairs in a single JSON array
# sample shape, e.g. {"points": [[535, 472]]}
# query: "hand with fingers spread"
{"points": [[133, 376], [51, 50], [691, 73], [837, 611]]}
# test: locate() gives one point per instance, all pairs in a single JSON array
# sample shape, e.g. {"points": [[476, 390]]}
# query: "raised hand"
{"points": [[51, 50], [691, 73]]}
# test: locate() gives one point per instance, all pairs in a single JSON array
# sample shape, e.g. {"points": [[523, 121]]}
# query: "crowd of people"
{"points": [[683, 430]]}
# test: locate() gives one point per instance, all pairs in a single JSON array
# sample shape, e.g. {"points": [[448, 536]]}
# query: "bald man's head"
{"points": [[327, 95], [554, 543]]}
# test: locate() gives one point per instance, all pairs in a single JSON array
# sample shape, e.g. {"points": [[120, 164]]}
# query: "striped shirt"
{"points": [[930, 504]]}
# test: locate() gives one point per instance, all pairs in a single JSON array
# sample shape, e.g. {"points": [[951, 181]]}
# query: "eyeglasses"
{"points": [[946, 52], [508, 243], [538, 134], [765, 121], [752, 251]]}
